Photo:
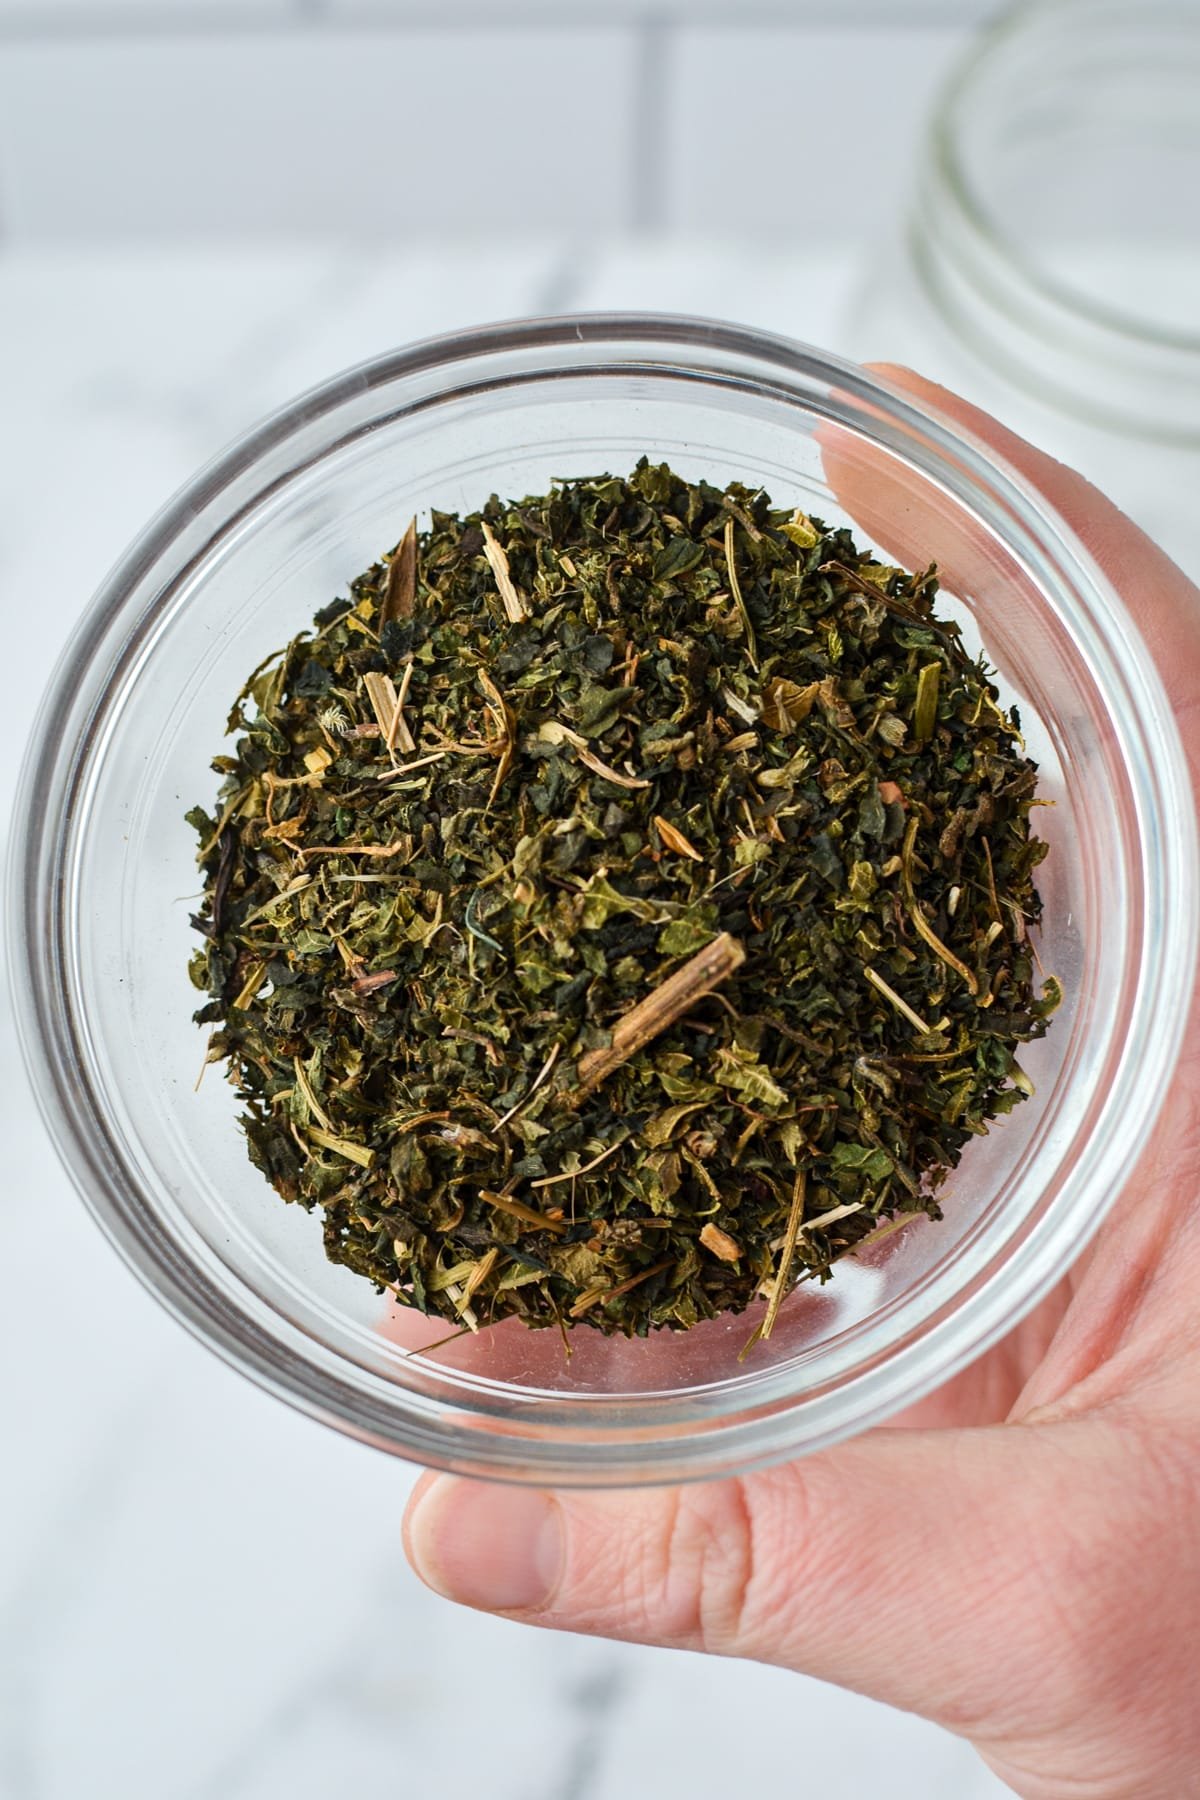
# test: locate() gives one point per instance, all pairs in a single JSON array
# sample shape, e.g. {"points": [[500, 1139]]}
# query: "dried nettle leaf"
{"points": [[617, 905]]}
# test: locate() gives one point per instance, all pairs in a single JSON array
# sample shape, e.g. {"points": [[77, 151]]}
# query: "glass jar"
{"points": [[239, 562], [1049, 267]]}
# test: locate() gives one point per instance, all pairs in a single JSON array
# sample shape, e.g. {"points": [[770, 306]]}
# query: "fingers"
{"points": [[908, 517], [871, 1565]]}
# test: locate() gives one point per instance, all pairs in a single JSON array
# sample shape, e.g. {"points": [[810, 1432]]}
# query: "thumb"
{"points": [[871, 1565]]}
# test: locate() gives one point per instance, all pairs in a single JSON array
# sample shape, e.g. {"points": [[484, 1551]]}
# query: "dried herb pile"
{"points": [[617, 905]]}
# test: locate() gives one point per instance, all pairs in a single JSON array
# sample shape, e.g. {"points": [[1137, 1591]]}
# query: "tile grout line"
{"points": [[648, 149], [117, 22]]}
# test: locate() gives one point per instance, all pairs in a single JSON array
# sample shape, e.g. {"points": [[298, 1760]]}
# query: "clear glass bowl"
{"points": [[240, 560], [1049, 266]]}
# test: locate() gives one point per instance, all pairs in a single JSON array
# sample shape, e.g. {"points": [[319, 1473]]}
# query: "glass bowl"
{"points": [[240, 560]]}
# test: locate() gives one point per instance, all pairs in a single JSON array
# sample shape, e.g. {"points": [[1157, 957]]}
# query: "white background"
{"points": [[204, 207]]}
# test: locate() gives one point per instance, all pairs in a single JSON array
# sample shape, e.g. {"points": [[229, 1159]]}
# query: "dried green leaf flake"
{"points": [[651, 721]]}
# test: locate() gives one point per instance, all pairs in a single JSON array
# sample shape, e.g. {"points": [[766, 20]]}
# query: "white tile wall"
{"points": [[802, 14], [796, 133], [316, 133], [63, 19], [126, 118], [46, 16]]}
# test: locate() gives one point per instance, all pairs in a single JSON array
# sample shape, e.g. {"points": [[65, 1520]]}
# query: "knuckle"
{"points": [[705, 1570], [730, 1564], [727, 1571]]}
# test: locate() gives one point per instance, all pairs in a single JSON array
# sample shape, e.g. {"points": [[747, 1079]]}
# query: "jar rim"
{"points": [[1053, 307]]}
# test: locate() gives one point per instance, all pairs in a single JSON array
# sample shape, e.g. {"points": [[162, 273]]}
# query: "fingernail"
{"points": [[499, 1549]]}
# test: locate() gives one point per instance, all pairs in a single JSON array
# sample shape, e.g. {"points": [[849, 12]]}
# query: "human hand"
{"points": [[1021, 1562]]}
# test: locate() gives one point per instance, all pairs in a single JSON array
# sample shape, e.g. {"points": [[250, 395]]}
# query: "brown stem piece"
{"points": [[872, 592], [400, 594], [913, 908], [779, 1289], [661, 1007], [738, 601], [388, 707], [528, 1215], [515, 608], [588, 1300]]}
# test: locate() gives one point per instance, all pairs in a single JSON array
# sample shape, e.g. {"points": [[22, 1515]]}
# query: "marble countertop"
{"points": [[202, 1594]]}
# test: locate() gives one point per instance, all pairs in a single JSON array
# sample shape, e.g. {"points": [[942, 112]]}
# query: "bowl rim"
{"points": [[531, 1448]]}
